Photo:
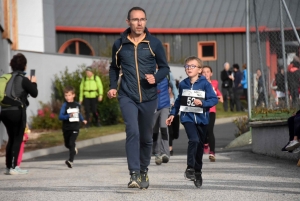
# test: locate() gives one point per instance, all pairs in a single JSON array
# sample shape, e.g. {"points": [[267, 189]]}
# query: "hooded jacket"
{"points": [[135, 62], [209, 101]]}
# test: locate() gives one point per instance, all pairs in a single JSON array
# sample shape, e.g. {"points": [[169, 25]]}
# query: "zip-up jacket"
{"points": [[65, 117], [244, 80], [136, 61], [163, 94], [91, 87], [209, 101]]}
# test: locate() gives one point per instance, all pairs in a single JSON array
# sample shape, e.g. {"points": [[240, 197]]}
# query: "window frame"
{"points": [[66, 44], [200, 44]]}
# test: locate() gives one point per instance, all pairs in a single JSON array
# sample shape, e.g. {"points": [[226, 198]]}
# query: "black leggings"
{"points": [[12, 119], [90, 105], [210, 136], [70, 137]]}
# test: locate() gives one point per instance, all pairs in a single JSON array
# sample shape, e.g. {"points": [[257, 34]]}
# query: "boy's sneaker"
{"points": [[198, 179], [293, 145], [284, 148], [13, 172], [158, 159], [135, 180], [17, 168], [165, 158], [296, 150], [206, 149], [76, 150], [144, 180], [189, 173], [212, 156], [69, 164]]}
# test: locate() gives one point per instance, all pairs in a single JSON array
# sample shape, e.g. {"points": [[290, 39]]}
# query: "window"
{"points": [[207, 50], [167, 50], [77, 46]]}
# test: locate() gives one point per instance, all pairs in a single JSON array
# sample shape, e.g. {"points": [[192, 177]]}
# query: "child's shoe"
{"points": [[13, 172], [165, 158], [69, 164], [158, 159], [189, 173], [212, 156], [206, 149], [17, 168], [292, 145], [198, 179]]}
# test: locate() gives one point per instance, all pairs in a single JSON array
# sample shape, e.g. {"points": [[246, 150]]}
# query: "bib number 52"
{"points": [[190, 101]]}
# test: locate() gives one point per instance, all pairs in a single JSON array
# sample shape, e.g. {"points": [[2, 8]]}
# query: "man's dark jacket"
{"points": [[135, 62]]}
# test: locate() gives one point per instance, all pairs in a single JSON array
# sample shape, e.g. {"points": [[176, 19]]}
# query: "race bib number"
{"points": [[187, 100], [75, 114]]}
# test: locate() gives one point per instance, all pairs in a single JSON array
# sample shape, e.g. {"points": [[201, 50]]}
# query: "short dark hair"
{"points": [[236, 66], [135, 8], [18, 62], [68, 89], [208, 68]]}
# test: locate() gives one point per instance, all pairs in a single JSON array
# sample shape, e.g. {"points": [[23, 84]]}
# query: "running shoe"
{"points": [[158, 159], [198, 179], [69, 164], [165, 158], [144, 179], [17, 168], [206, 149], [293, 145], [295, 151], [189, 173], [212, 156], [13, 172], [135, 180]]}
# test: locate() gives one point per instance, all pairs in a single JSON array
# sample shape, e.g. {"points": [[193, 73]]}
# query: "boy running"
{"points": [[195, 97], [210, 137], [70, 115]]}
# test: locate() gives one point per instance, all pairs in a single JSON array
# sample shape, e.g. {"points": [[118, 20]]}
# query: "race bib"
{"points": [[75, 116], [187, 100]]}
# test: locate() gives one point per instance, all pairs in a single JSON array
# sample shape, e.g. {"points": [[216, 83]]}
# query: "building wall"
{"points": [[230, 47], [49, 26]]}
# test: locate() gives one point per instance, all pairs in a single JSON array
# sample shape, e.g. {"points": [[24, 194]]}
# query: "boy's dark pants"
{"points": [[196, 134], [138, 119], [294, 126], [70, 137]]}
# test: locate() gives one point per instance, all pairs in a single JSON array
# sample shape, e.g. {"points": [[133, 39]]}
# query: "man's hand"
{"points": [[150, 78], [112, 93], [169, 120], [100, 98]]}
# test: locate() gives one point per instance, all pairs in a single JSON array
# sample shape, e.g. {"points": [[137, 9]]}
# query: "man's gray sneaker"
{"points": [[165, 158], [144, 179], [158, 159]]}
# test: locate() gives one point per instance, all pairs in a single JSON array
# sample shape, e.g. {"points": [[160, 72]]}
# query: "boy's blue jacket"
{"points": [[209, 101]]}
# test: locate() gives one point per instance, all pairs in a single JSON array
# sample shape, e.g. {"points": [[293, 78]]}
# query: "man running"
{"points": [[137, 52]]}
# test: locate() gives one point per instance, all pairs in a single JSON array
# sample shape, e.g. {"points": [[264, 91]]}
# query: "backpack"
{"points": [[7, 92]]}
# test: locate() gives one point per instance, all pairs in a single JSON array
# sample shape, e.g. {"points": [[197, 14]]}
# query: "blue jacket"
{"points": [[244, 80], [135, 62], [209, 101], [163, 94]]}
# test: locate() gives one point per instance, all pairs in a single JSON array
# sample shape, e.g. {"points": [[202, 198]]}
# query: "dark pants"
{"points": [[295, 97], [228, 93], [196, 134], [210, 136], [90, 105], [13, 121], [70, 137], [261, 99], [294, 126], [174, 130], [237, 99], [138, 118], [245, 93]]}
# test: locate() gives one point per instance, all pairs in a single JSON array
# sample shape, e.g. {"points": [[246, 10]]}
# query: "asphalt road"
{"points": [[224, 134]]}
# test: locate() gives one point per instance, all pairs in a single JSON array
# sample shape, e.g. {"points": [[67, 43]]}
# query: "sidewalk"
{"points": [[239, 175]]}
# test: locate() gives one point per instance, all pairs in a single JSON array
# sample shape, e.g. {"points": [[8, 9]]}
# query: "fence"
{"points": [[274, 62]]}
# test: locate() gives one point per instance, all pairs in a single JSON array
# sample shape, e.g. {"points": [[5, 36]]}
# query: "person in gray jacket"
{"points": [[137, 52]]}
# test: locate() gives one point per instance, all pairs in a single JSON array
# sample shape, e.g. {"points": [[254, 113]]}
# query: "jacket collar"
{"points": [[128, 31]]}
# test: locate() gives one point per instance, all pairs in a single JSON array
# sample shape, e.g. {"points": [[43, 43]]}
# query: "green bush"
{"points": [[242, 123], [109, 111], [47, 117]]}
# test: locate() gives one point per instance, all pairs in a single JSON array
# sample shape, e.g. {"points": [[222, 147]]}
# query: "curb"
{"points": [[89, 142]]}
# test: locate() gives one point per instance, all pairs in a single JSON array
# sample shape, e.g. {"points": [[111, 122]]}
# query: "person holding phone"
{"points": [[14, 117]]}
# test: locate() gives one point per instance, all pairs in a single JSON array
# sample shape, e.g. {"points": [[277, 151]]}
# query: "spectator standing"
{"points": [[91, 92], [261, 101], [293, 82], [14, 117], [280, 90], [244, 82], [227, 83], [237, 89]]}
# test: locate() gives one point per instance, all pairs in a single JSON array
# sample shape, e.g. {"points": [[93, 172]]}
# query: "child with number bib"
{"points": [[196, 97], [71, 117]]}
